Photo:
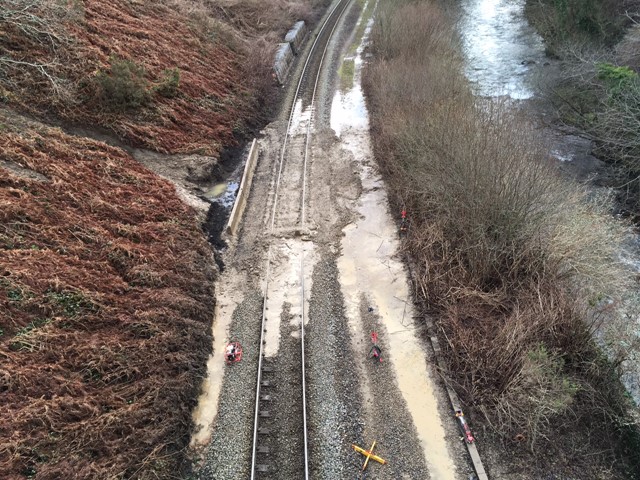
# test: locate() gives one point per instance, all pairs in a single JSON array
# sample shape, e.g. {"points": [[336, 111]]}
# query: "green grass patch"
{"points": [[71, 303], [368, 7], [346, 73], [616, 78], [15, 293], [168, 86]]}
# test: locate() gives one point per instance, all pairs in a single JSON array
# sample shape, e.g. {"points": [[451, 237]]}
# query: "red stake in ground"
{"points": [[375, 351], [403, 223]]}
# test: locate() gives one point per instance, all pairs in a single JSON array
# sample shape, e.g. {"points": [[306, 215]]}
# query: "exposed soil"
{"points": [[339, 372]]}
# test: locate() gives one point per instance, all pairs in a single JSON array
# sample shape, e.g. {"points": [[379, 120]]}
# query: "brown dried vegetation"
{"points": [[52, 52], [106, 280], [106, 294], [510, 258]]}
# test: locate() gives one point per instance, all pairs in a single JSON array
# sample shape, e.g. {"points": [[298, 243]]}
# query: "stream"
{"points": [[505, 58]]}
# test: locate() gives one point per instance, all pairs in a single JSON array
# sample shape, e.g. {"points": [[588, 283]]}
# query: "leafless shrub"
{"points": [[33, 43], [253, 18], [593, 21], [628, 50], [606, 109], [429, 34], [602, 96], [258, 65], [204, 17], [510, 255]]}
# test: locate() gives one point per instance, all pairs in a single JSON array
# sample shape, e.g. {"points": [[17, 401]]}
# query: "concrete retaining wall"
{"points": [[243, 191], [283, 62], [296, 36]]}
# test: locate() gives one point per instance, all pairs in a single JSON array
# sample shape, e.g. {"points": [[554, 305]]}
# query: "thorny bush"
{"points": [[124, 86]]}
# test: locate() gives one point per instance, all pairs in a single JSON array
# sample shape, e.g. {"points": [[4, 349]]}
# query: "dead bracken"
{"points": [[103, 269], [106, 279]]}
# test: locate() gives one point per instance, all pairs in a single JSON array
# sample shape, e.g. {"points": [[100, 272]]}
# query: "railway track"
{"points": [[273, 433]]}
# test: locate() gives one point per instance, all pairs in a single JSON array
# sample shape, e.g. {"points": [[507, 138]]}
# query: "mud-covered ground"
{"points": [[355, 284]]}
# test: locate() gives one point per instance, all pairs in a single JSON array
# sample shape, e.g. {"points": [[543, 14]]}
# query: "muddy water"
{"points": [[285, 283], [207, 408], [505, 57], [369, 268], [224, 192]]}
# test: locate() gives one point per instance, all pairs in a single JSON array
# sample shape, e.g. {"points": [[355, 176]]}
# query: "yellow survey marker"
{"points": [[369, 454]]}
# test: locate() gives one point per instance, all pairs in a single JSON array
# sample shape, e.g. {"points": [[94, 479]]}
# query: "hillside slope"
{"points": [[106, 278], [174, 76]]}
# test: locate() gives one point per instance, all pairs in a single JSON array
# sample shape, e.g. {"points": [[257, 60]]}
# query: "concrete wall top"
{"points": [[291, 34]]}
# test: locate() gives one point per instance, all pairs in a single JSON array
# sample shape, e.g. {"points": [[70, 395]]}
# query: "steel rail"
{"points": [[302, 256], [344, 4]]}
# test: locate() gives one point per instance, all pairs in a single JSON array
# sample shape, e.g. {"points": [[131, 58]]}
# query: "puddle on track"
{"points": [[367, 266], [224, 193], [300, 119], [284, 286]]}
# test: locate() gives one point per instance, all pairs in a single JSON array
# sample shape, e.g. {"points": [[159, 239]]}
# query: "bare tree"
{"points": [[34, 44]]}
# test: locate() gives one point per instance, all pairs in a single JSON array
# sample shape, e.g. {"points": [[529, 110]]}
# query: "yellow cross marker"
{"points": [[369, 454]]}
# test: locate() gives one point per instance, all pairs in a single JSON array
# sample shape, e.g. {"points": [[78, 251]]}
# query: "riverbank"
{"points": [[506, 59], [598, 44], [576, 157], [501, 241]]}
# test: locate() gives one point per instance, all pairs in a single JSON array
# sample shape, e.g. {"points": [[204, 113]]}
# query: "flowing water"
{"points": [[505, 57], [500, 48]]}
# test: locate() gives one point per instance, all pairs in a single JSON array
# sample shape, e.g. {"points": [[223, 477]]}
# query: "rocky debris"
{"points": [[201, 169]]}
